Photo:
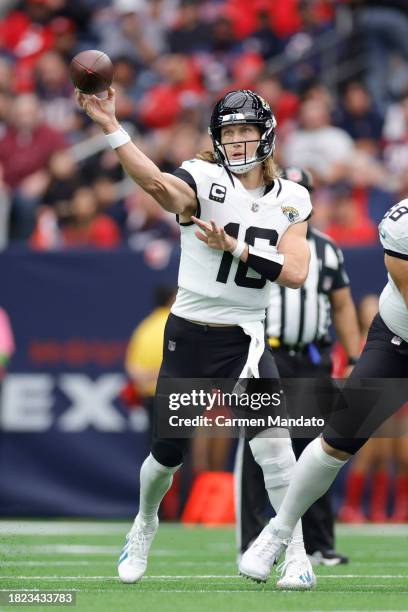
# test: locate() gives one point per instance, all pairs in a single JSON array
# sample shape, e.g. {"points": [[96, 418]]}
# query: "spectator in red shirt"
{"points": [[25, 34], [28, 142], [25, 150], [349, 227], [285, 103], [181, 88], [88, 227]]}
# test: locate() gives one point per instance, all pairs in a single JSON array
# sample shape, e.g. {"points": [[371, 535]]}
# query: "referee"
{"points": [[297, 325]]}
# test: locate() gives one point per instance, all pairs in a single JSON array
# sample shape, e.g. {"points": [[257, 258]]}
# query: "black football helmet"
{"points": [[243, 106]]}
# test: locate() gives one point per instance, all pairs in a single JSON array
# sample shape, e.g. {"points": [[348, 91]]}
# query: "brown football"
{"points": [[91, 71]]}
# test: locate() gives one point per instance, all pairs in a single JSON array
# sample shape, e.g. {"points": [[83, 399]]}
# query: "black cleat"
{"points": [[330, 558]]}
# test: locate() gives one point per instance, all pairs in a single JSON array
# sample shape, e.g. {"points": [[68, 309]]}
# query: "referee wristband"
{"points": [[118, 138], [239, 249]]}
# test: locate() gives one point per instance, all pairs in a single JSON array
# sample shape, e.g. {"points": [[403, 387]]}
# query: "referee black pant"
{"points": [[252, 499]]}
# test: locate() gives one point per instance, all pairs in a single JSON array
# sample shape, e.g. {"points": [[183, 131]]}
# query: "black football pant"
{"points": [[385, 356], [192, 351], [318, 521]]}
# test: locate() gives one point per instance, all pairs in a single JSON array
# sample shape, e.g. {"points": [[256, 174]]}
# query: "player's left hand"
{"points": [[215, 237]]}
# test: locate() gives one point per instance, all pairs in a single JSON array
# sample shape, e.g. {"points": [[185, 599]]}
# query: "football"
{"points": [[91, 71]]}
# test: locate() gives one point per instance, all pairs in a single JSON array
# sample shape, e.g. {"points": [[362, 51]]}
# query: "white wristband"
{"points": [[239, 249], [118, 138]]}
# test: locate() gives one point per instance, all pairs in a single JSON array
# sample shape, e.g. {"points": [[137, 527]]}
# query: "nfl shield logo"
{"points": [[172, 345], [255, 207]]}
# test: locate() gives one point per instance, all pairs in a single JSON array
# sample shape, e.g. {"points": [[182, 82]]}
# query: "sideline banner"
{"points": [[67, 447]]}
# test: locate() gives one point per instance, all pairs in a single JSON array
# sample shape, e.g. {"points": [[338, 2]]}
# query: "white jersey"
{"points": [[394, 238], [214, 286]]}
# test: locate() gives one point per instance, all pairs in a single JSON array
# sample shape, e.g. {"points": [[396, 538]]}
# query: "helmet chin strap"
{"points": [[243, 168], [238, 166]]}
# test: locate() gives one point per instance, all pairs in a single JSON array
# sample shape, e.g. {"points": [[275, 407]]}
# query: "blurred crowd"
{"points": [[60, 187]]}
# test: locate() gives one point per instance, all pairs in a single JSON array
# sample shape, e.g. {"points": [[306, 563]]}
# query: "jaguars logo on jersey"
{"points": [[291, 213]]}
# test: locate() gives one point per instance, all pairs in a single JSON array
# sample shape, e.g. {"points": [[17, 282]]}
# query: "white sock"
{"points": [[274, 454], [155, 481], [312, 476]]}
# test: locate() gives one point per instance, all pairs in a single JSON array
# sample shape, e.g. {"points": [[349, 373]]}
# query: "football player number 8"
{"points": [[241, 279], [396, 213]]}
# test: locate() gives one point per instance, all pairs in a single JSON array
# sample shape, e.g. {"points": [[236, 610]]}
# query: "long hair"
{"points": [[270, 169]]}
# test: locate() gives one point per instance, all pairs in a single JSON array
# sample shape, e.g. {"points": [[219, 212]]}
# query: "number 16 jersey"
{"points": [[214, 286]]}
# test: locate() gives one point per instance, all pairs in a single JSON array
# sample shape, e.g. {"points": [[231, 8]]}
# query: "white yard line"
{"points": [[169, 577], [51, 563], [223, 564], [70, 549], [12, 548], [57, 527]]}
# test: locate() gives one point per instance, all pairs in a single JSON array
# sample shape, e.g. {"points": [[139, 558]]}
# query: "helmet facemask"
{"points": [[265, 147]]}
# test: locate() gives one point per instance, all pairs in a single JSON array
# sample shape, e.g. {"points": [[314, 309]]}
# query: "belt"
{"points": [[212, 324]]}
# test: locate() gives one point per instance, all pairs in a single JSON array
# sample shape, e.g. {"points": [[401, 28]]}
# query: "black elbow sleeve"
{"points": [[269, 265]]}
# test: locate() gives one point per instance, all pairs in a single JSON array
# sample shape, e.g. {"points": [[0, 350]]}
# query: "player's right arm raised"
{"points": [[171, 193]]}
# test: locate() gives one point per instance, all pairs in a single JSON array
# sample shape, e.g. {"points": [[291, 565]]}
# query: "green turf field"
{"points": [[193, 569]]}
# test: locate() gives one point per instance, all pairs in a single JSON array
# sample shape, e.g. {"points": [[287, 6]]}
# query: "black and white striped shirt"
{"points": [[302, 316]]}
